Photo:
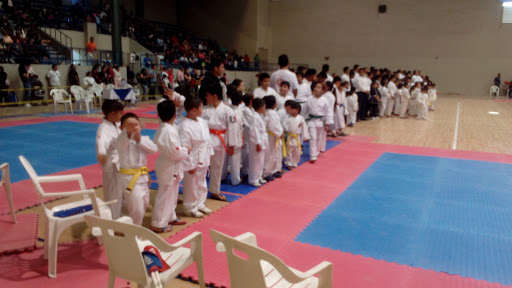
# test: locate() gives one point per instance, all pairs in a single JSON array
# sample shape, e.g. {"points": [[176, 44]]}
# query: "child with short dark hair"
{"points": [[258, 143], [274, 153], [319, 117], [133, 172], [264, 88], [296, 128], [404, 102], [422, 102], [238, 139], [106, 153], [284, 95], [194, 132], [169, 171]]}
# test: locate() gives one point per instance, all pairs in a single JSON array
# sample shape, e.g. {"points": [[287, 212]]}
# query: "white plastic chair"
{"points": [[262, 269], [494, 90], [55, 225], [60, 96], [82, 96], [123, 245], [6, 182]]}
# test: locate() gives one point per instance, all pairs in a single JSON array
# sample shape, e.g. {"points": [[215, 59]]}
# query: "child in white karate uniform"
{"points": [[384, 97], [168, 169], [258, 143], [274, 153], [393, 96], [352, 107], [235, 160], [423, 104], [284, 95], [432, 92], [194, 132], [133, 171], [327, 88], [304, 91], [264, 89], [415, 90], [319, 117], [178, 100], [295, 127], [221, 122], [340, 88], [404, 103], [248, 118], [107, 133]]}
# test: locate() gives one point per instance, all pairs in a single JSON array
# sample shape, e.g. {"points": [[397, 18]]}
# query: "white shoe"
{"points": [[28, 105], [313, 158], [206, 210], [255, 184], [196, 214], [263, 181]]}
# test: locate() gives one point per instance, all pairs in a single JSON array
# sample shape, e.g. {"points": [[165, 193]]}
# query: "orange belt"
{"points": [[220, 133]]}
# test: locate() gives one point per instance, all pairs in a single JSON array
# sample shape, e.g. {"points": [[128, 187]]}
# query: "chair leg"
{"points": [[8, 192], [71, 107], [52, 257], [46, 239]]}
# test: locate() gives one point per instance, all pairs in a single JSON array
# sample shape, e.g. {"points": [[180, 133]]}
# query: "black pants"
{"points": [[362, 98], [374, 109]]}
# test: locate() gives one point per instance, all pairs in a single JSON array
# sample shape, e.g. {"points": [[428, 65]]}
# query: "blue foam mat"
{"points": [[50, 147], [244, 189], [79, 112], [448, 215]]}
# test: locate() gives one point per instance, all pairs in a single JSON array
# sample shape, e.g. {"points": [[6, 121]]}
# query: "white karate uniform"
{"points": [[332, 105], [260, 92], [195, 134], [89, 82], [413, 104], [235, 160], [248, 118], [257, 136], [303, 92], [398, 100], [384, 98], [105, 137], [432, 93], [404, 102], [221, 118], [274, 153], [318, 106], [422, 106], [392, 89], [169, 174], [280, 100], [339, 110], [132, 155], [284, 75], [346, 78], [295, 126], [352, 107]]}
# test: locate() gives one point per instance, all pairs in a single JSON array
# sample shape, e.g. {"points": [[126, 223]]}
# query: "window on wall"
{"points": [[507, 12]]}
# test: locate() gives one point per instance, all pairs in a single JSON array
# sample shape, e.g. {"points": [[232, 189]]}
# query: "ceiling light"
{"points": [[493, 112]]}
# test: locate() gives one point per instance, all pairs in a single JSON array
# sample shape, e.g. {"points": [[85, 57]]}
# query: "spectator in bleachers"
{"points": [[23, 71], [117, 76], [147, 61], [143, 80], [153, 80], [91, 51], [4, 84]]}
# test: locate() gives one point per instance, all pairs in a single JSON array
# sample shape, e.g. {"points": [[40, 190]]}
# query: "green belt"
{"points": [[311, 117]]}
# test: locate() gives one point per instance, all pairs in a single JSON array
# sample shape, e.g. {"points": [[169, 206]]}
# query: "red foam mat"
{"points": [[19, 237], [277, 213], [80, 264]]}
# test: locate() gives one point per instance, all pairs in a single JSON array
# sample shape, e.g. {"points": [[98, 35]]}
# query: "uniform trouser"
{"points": [[315, 140], [293, 157], [396, 109], [234, 163], [256, 164], [352, 115], [195, 190], [136, 202], [245, 153], [389, 106], [422, 111], [382, 106], [272, 161], [216, 167], [27, 94], [166, 200], [413, 107], [363, 103], [112, 189], [403, 107]]}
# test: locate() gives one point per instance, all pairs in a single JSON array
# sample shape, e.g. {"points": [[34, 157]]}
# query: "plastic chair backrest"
{"points": [[243, 272], [110, 86], [123, 253], [33, 176], [76, 91], [58, 94], [98, 89]]}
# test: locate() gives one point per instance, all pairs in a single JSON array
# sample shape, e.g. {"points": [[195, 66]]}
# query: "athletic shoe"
{"points": [[206, 210], [196, 214], [262, 181], [277, 175], [312, 159], [255, 184], [269, 178]]}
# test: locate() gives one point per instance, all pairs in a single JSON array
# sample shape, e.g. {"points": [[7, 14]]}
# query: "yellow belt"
{"points": [[296, 137], [277, 142], [136, 172]]}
